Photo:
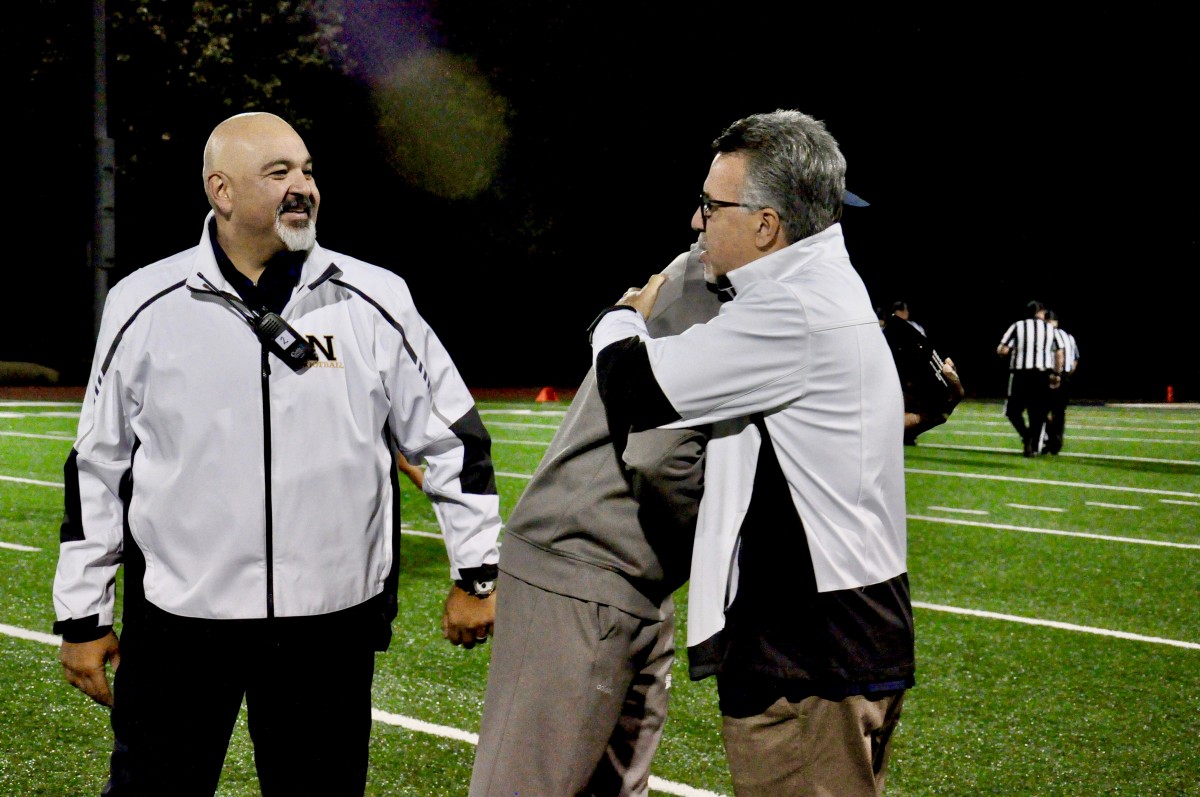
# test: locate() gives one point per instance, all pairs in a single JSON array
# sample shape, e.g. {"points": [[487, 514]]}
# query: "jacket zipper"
{"points": [[270, 543]]}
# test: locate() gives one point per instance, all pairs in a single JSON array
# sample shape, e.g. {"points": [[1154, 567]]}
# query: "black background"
{"points": [[1009, 154]]}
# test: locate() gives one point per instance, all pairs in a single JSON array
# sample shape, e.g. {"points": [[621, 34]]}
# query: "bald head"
{"points": [[258, 179], [232, 143]]}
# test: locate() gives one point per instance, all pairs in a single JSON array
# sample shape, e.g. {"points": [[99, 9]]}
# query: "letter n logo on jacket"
{"points": [[324, 350]]}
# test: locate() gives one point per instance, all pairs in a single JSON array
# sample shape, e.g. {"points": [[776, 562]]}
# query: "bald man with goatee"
{"points": [[249, 401]]}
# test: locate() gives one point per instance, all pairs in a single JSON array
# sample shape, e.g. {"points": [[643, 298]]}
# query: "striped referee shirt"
{"points": [[1066, 342], [1032, 342]]}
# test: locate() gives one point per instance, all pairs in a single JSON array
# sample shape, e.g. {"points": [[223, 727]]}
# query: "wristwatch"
{"points": [[478, 581]]}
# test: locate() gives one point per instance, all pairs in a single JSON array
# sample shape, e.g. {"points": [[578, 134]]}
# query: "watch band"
{"points": [[478, 581]]}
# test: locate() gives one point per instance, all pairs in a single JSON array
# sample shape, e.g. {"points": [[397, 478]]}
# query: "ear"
{"points": [[770, 232], [219, 193]]}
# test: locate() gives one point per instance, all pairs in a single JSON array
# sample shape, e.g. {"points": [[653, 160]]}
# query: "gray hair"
{"points": [[793, 165]]}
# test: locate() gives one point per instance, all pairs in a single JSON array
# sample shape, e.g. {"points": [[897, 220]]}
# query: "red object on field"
{"points": [[547, 394], [1170, 394]]}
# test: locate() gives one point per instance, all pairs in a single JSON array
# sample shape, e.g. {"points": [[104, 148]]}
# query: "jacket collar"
{"points": [[317, 268], [781, 264]]}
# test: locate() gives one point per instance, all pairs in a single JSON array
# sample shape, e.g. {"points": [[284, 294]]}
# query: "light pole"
{"points": [[102, 250]]}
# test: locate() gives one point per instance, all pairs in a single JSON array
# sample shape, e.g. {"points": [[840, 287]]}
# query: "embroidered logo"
{"points": [[325, 354]]}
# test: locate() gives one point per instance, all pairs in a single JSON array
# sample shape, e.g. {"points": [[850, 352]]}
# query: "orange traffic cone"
{"points": [[547, 394]]}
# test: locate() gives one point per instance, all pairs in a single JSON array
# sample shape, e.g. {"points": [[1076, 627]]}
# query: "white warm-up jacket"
{"points": [[253, 490], [799, 349]]}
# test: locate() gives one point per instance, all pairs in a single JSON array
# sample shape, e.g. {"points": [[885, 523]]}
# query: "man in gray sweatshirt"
{"points": [[591, 556]]}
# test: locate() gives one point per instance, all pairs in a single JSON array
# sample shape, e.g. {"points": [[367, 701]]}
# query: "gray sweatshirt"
{"points": [[612, 520]]}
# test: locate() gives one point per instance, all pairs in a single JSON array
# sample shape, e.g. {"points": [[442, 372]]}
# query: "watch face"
{"points": [[484, 588]]}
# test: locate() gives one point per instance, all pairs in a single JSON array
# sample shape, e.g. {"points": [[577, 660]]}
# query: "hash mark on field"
{"points": [[1038, 508], [1111, 506], [1181, 503], [960, 511]]}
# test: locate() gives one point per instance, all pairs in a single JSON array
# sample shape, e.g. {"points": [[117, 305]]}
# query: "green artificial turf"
{"points": [[1103, 540]]}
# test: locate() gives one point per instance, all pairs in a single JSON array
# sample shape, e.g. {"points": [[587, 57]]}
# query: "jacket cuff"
{"points": [[84, 629], [481, 573]]}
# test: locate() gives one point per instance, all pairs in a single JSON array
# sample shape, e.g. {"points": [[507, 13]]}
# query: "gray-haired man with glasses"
{"points": [[798, 597]]}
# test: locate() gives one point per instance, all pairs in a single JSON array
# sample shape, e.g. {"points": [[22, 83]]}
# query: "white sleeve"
{"points": [[433, 418], [91, 536], [751, 358]]}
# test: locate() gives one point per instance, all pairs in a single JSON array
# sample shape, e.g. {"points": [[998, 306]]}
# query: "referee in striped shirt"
{"points": [[1057, 420], [1035, 364]]}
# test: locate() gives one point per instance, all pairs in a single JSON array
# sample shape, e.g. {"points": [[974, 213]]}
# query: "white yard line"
{"points": [[1054, 532], [401, 721], [38, 482], [993, 450], [1052, 482], [1072, 437], [13, 546], [514, 425], [535, 413], [61, 437], [1012, 618], [1071, 429], [72, 415]]}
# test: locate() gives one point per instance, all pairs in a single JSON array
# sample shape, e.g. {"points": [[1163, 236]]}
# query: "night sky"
{"points": [[1008, 155]]}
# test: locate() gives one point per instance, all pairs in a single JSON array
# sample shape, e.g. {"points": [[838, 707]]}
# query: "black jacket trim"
{"points": [[84, 629]]}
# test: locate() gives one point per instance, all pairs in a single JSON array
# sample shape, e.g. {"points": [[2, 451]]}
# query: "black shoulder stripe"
{"points": [[395, 324], [478, 475], [628, 387], [112, 349], [72, 522], [327, 274]]}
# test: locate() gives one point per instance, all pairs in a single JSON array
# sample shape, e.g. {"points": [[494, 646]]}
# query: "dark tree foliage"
{"points": [[176, 69], [171, 62], [173, 70]]}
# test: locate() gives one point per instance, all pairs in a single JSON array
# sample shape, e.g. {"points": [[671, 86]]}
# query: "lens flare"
{"points": [[442, 125]]}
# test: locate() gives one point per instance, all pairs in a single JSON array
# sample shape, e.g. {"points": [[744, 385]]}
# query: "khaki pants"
{"points": [[576, 697], [813, 748]]}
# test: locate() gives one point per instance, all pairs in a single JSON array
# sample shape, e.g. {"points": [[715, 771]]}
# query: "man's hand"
{"points": [[467, 620], [643, 299], [83, 665], [951, 373]]}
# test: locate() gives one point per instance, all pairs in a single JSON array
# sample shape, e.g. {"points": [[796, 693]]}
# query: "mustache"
{"points": [[296, 204]]}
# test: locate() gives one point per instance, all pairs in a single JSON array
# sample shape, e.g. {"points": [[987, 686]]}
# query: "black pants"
{"points": [[181, 682], [1057, 420], [1029, 394]]}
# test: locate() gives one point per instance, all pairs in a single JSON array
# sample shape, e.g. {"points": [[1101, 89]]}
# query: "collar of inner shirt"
{"points": [[274, 287]]}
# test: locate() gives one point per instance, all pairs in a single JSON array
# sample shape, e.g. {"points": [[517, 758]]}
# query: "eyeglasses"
{"points": [[708, 206]]}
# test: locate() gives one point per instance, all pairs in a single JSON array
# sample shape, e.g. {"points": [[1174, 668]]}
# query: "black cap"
{"points": [[854, 200]]}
